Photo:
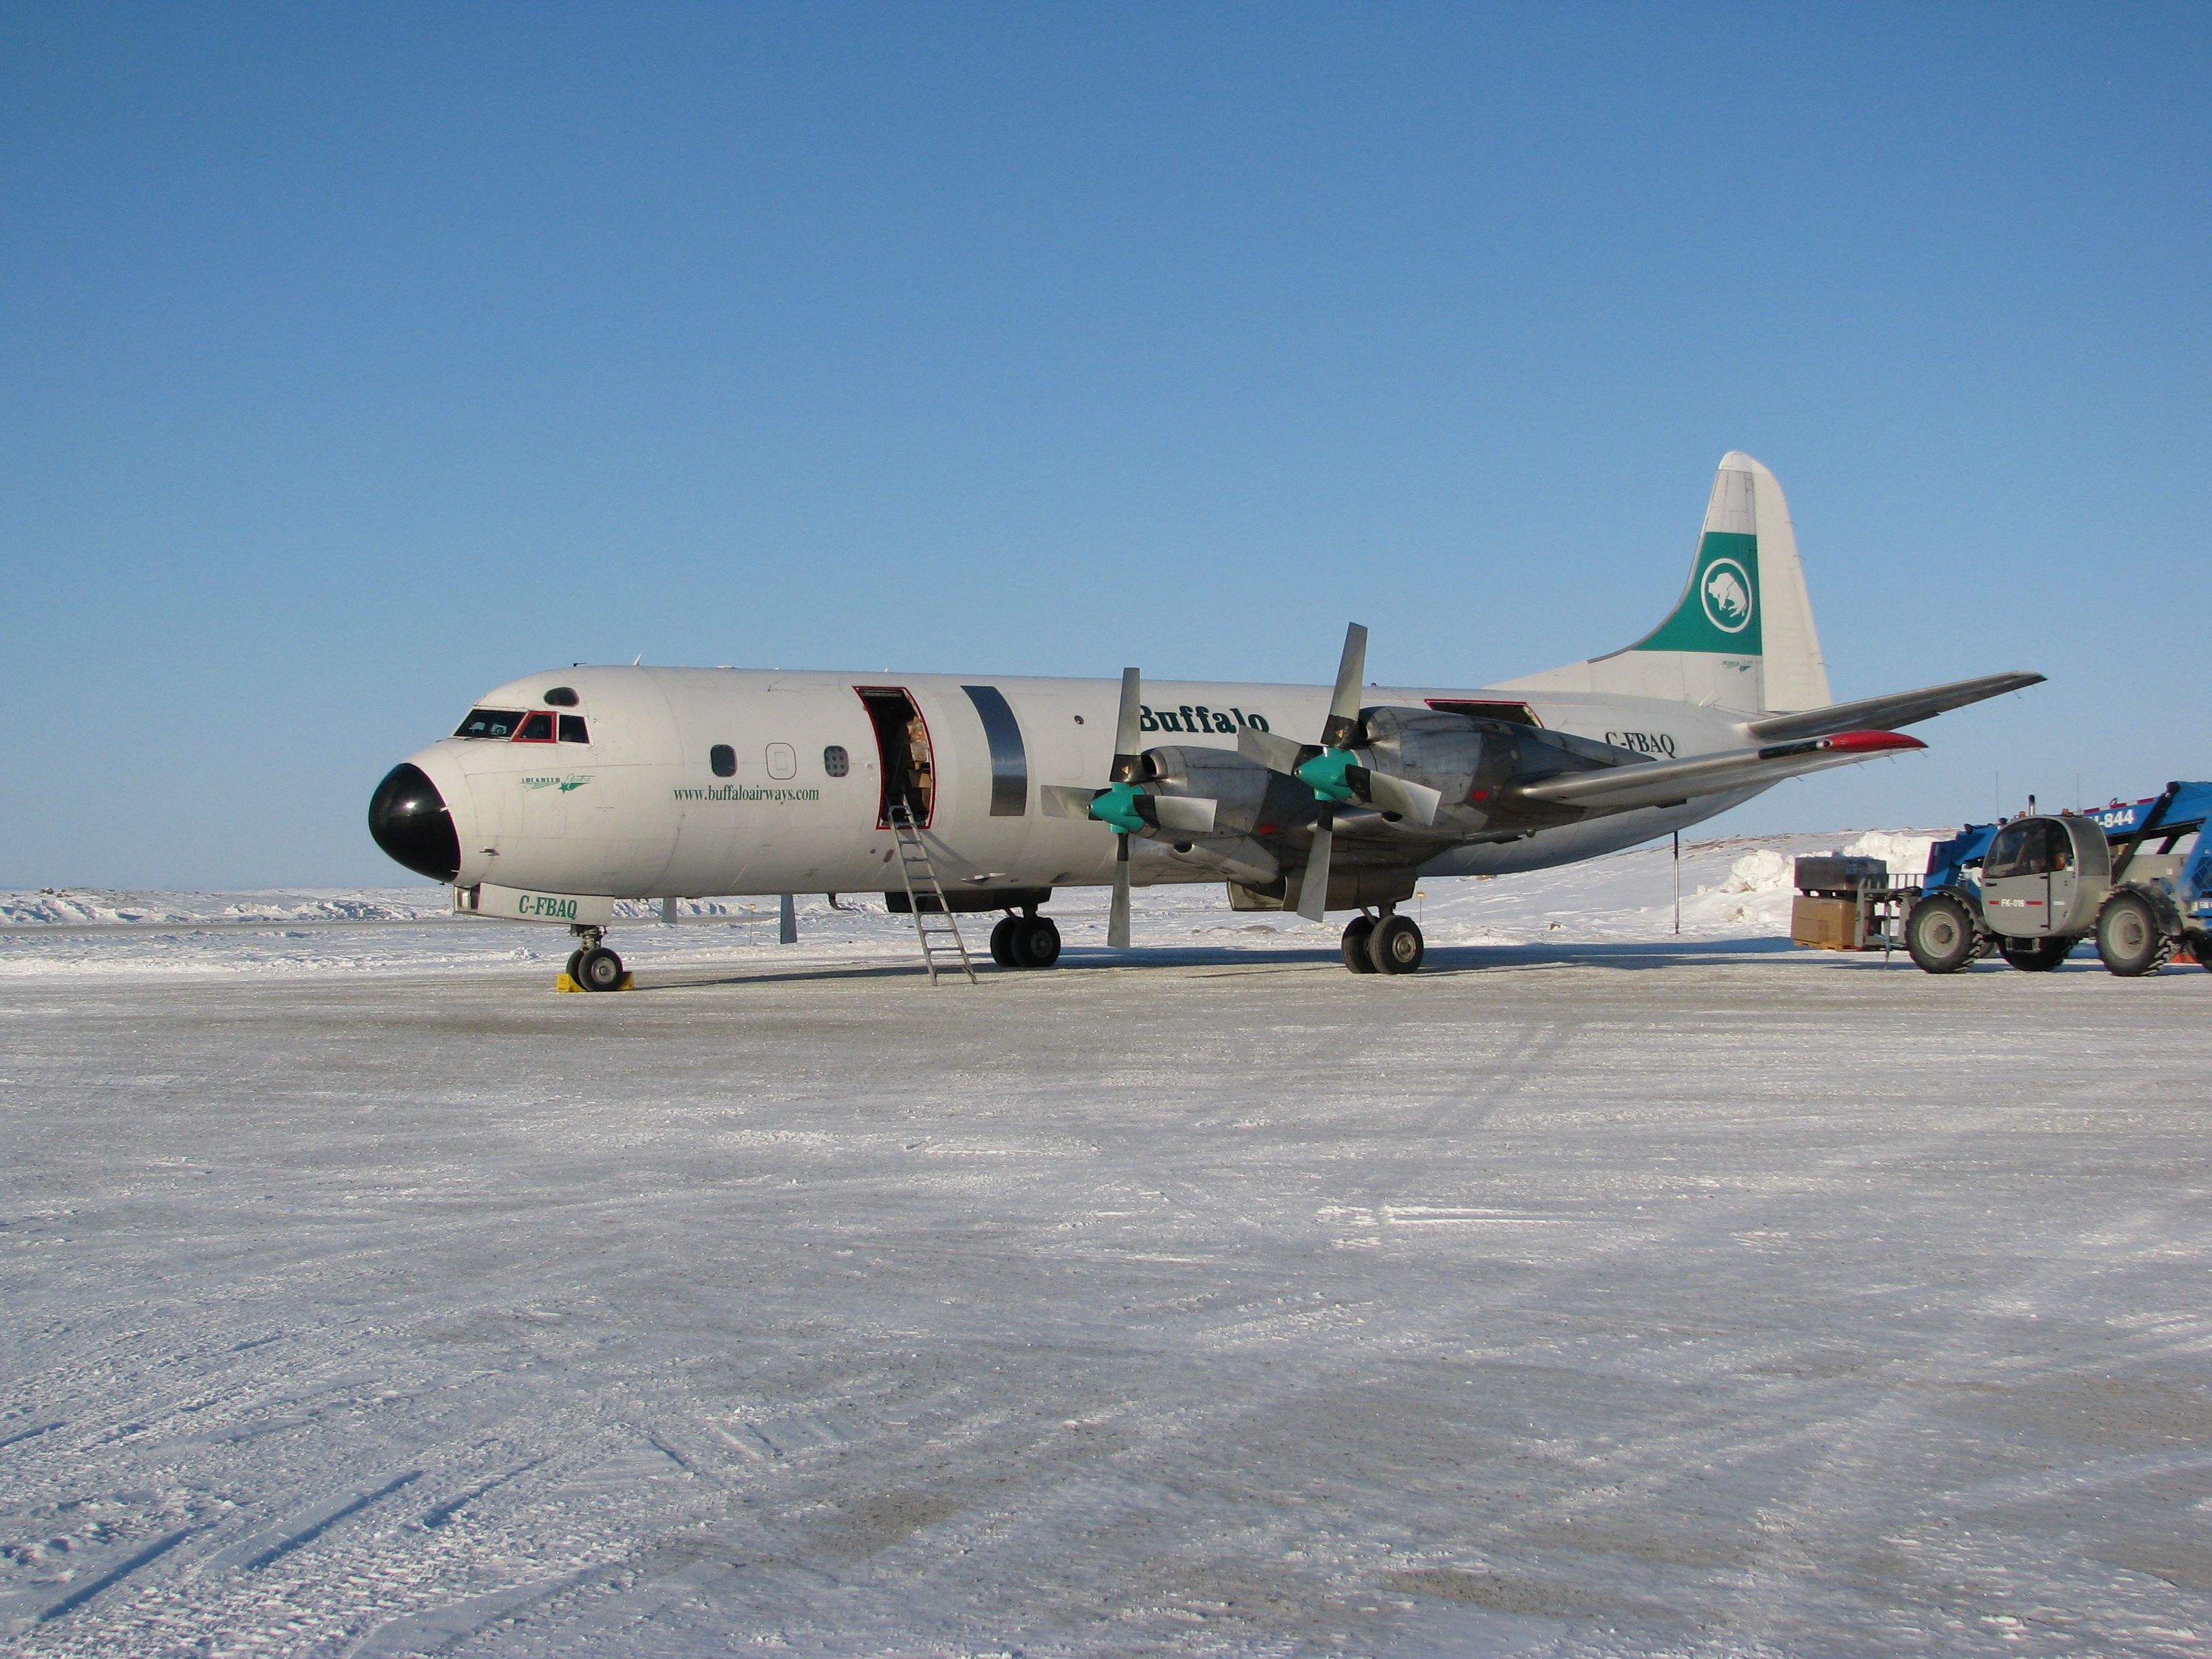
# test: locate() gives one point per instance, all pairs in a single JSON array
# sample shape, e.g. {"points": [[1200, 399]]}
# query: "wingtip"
{"points": [[1872, 743]]}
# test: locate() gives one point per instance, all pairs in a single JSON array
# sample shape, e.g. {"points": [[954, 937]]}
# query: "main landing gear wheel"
{"points": [[1396, 945], [1940, 935], [1356, 934], [1002, 941], [1036, 941], [2036, 956], [598, 969], [2129, 937]]}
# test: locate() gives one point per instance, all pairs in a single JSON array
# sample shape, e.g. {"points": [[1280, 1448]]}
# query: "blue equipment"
{"points": [[2032, 888]]}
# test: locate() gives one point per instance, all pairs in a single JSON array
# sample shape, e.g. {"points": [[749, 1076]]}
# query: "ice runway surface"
{"points": [[1613, 1298]]}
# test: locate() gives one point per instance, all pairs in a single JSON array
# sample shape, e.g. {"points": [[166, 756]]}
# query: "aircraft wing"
{"points": [[1899, 708], [1660, 783]]}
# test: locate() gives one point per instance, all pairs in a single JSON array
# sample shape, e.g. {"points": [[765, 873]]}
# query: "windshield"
{"points": [[490, 723]]}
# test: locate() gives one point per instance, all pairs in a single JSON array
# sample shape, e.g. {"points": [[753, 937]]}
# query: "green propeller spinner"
{"points": [[1126, 807]]}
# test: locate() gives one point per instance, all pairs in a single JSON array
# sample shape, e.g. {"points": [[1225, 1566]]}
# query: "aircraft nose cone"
{"points": [[407, 818]]}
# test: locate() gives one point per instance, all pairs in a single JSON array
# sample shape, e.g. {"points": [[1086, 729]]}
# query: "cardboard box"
{"points": [[1826, 923]]}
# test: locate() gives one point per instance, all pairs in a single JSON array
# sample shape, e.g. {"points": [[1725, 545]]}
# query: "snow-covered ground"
{"points": [[1737, 888], [1592, 1292]]}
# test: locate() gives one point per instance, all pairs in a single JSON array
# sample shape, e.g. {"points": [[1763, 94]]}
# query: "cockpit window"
{"points": [[490, 723], [572, 729], [536, 727]]}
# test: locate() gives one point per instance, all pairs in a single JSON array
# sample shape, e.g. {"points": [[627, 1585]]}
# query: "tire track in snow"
{"points": [[115, 1575]]}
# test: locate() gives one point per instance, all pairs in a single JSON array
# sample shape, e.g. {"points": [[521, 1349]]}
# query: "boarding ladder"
{"points": [[942, 947]]}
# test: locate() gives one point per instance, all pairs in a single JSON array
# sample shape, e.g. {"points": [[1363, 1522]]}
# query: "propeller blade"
{"points": [[1276, 754], [1344, 706], [1128, 749], [1313, 888], [1117, 922], [1188, 812], [1062, 801], [1404, 797]]}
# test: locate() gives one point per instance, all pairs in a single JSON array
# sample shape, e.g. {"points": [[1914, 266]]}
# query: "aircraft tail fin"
{"points": [[1741, 635]]}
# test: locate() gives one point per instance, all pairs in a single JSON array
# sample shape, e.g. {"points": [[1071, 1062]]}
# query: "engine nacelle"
{"points": [[1474, 762], [1239, 788]]}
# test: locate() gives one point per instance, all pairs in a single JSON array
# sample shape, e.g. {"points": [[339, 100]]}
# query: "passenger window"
{"points": [[562, 696], [536, 727], [490, 723], [723, 760], [835, 762], [572, 729]]}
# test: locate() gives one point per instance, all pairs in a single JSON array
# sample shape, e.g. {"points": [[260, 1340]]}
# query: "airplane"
{"points": [[563, 792]]}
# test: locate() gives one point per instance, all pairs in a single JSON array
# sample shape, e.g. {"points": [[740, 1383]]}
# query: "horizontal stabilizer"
{"points": [[1899, 708], [1663, 783]]}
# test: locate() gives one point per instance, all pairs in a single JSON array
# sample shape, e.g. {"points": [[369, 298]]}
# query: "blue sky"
{"points": [[356, 359]]}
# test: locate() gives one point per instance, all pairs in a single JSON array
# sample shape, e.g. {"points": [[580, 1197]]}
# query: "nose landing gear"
{"points": [[592, 966]]}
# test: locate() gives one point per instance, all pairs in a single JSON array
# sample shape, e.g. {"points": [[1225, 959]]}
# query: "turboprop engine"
{"points": [[1477, 764]]}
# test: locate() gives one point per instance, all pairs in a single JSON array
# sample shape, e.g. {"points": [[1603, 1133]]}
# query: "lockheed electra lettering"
{"points": [[986, 793]]}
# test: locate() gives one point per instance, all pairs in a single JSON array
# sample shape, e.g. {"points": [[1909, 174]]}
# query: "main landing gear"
{"points": [[1387, 944], [592, 965], [1027, 940]]}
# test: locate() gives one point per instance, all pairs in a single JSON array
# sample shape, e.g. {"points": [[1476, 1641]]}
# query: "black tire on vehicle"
{"points": [[1940, 935], [2129, 937], [575, 958], [1002, 942], [599, 969], [1036, 942], [2200, 946], [2036, 955], [1396, 945], [1356, 934]]}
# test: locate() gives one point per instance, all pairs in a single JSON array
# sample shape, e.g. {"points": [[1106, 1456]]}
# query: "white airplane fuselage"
{"points": [[640, 809]]}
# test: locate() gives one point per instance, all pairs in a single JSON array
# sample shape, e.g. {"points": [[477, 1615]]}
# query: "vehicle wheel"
{"points": [[1356, 934], [1940, 935], [1036, 942], [1396, 945], [575, 957], [2036, 955], [2129, 937], [2200, 946], [599, 970], [1002, 941]]}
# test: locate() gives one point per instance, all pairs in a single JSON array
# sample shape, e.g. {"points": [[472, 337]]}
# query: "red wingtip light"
{"points": [[1871, 743]]}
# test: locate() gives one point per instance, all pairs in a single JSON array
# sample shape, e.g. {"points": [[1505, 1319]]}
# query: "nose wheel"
{"points": [[593, 967], [1384, 944]]}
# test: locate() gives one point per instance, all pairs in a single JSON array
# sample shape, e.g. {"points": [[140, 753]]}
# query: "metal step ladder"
{"points": [[942, 947]]}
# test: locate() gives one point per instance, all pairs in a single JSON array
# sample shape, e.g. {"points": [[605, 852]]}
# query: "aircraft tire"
{"points": [[1036, 944], [575, 957], [2130, 938], [1940, 935], [2036, 955], [1356, 934], [1002, 942], [1396, 945], [599, 970]]}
